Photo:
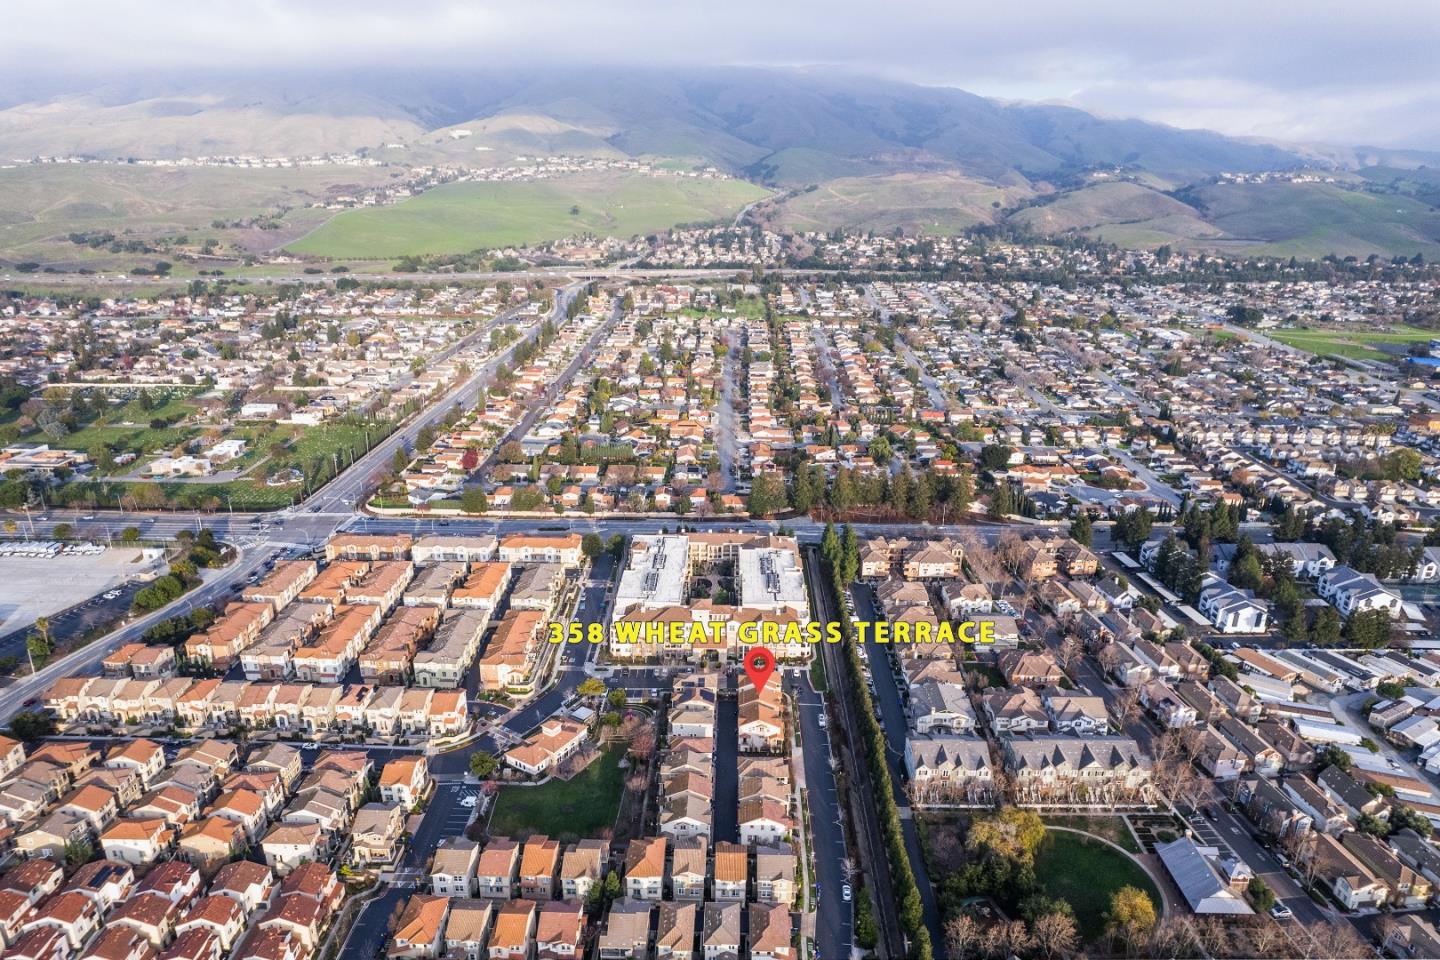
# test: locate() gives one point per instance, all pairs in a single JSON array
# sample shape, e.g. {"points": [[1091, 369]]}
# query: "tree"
{"points": [[1333, 756], [767, 495], [1127, 704], [1391, 690], [63, 531], [473, 500], [867, 933], [962, 937], [1337, 938], [1131, 915], [1054, 933], [591, 687], [881, 451], [1081, 529], [483, 764], [78, 851], [830, 546], [1325, 631], [1260, 894], [642, 745], [29, 725], [994, 456], [1012, 833], [617, 698], [1007, 938], [1369, 629], [591, 545], [38, 649], [1133, 528]]}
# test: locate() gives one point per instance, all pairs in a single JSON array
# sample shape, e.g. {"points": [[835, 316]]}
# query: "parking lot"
{"points": [[44, 586], [450, 811]]}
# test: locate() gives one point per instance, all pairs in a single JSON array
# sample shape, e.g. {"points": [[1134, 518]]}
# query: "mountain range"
{"points": [[893, 153]]}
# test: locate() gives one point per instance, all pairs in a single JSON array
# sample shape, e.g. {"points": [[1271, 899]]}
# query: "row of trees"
{"points": [[842, 560]]}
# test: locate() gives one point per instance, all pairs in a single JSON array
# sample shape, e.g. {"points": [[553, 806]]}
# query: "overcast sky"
{"points": [[1311, 71]]}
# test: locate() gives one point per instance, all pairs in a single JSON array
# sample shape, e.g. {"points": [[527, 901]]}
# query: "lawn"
{"points": [[1111, 828], [459, 217], [993, 677], [40, 205], [126, 427], [581, 806], [1085, 873], [1355, 344]]}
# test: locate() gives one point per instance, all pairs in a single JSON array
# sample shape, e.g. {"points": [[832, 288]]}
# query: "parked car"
{"points": [[1282, 912]]}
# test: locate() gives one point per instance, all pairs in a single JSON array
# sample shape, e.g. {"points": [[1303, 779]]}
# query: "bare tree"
{"points": [[1055, 934], [1010, 548], [1172, 937], [1109, 658], [1307, 856], [982, 561], [1337, 938], [1385, 927], [1127, 704], [1267, 939], [1212, 935], [1071, 650], [962, 937], [1006, 938]]}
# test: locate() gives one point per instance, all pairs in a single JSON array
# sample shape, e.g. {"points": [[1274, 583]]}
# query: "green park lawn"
{"points": [[1354, 344], [1085, 873], [581, 806]]}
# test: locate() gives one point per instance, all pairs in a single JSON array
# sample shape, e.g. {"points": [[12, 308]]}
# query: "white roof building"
{"points": [[656, 576], [1204, 889], [771, 579]]}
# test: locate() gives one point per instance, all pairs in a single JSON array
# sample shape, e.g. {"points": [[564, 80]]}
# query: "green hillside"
{"points": [[916, 202], [466, 216], [1110, 210], [41, 205], [1315, 219]]}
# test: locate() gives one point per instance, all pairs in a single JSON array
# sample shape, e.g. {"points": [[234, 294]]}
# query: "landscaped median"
{"points": [[902, 875]]}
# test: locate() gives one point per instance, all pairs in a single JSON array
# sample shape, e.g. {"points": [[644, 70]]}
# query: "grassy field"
{"points": [[460, 217], [1315, 219], [1354, 344], [41, 205], [581, 806], [1085, 873], [1111, 828], [1125, 213], [125, 428], [1277, 219], [933, 203]]}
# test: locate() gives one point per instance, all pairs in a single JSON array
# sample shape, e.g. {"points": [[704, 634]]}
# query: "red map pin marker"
{"points": [[759, 664]]}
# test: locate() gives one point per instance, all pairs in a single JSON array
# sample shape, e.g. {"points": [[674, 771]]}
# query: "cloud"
{"points": [[1320, 70]]}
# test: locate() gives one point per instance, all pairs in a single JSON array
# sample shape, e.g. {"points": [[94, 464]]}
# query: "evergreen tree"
{"points": [[830, 545], [1325, 631], [850, 554], [963, 492]]}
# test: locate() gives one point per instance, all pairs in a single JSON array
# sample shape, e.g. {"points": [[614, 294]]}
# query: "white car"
{"points": [[846, 893]]}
